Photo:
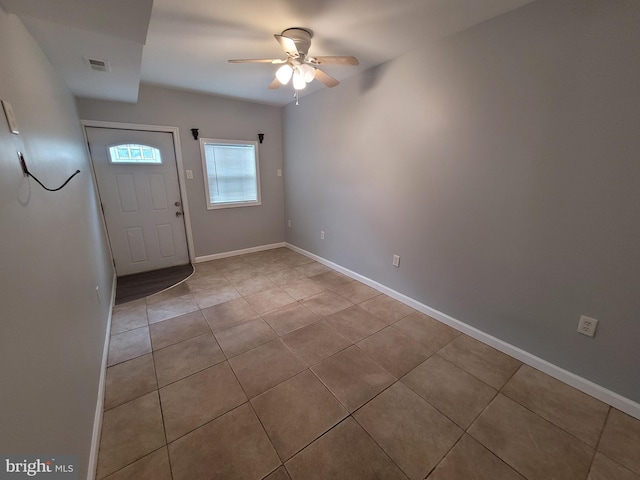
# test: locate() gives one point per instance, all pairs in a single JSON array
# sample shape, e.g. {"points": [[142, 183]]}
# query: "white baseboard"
{"points": [[590, 388], [216, 256], [97, 421]]}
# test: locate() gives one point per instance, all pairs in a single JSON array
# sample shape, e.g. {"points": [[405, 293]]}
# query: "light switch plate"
{"points": [[11, 118]]}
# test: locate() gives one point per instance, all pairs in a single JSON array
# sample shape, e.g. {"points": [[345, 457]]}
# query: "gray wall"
{"points": [[503, 166], [214, 231], [52, 256]]}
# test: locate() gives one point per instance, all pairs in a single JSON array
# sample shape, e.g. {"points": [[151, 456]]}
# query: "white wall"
{"points": [[52, 256], [214, 231], [502, 165]]}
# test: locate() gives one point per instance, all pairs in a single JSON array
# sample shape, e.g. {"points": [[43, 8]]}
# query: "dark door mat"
{"points": [[140, 285]]}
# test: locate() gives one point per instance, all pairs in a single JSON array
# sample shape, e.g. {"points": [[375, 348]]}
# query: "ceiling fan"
{"points": [[299, 65]]}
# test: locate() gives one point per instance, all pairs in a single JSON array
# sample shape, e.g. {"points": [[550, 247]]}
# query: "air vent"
{"points": [[97, 65]]}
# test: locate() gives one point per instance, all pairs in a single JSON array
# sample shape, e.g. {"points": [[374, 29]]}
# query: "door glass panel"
{"points": [[135, 154]]}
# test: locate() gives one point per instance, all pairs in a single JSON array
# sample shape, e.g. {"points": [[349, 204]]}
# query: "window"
{"points": [[231, 173], [136, 154]]}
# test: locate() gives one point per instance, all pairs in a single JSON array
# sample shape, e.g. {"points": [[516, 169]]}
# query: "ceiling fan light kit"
{"points": [[299, 66]]}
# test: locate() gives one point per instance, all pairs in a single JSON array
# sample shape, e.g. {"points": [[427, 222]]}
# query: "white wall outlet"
{"points": [[396, 261], [189, 174], [11, 118], [587, 326], [321, 234], [279, 172], [289, 223]]}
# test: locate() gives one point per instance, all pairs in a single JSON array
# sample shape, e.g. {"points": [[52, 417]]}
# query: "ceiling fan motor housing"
{"points": [[301, 37]]}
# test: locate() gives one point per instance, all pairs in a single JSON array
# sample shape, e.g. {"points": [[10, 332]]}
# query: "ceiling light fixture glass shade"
{"points": [[308, 72], [284, 74], [298, 80]]}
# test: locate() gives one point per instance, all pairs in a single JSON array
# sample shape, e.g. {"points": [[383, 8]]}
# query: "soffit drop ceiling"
{"points": [[68, 31], [188, 42]]}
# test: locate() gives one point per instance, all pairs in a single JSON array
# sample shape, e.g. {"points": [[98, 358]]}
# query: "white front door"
{"points": [[137, 179]]}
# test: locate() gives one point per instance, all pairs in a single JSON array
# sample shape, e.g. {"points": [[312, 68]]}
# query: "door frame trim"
{"points": [[175, 133]]}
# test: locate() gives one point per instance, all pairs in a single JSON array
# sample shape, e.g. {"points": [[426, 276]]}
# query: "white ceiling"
{"points": [[188, 42]]}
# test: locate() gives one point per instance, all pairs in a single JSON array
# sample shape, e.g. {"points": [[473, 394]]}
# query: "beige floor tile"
{"points": [[315, 342], [170, 308], [603, 468], [279, 474], [470, 460], [187, 357], [128, 380], [311, 269], [129, 316], [296, 412], [536, 448], [254, 285], [355, 323], [286, 276], [568, 408], [394, 351], [199, 398], [176, 291], [326, 303], [456, 393], [480, 360], [289, 318], [268, 300], [154, 466], [177, 329], [228, 314], [621, 440], [202, 283], [413, 433], [243, 337], [345, 452], [331, 278], [386, 308], [130, 432], [426, 330], [128, 345], [240, 273], [353, 377], [302, 288], [209, 298], [231, 447], [355, 292], [265, 366]]}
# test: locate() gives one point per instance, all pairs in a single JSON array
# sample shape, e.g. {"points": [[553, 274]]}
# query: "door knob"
{"points": [[177, 204], [178, 213]]}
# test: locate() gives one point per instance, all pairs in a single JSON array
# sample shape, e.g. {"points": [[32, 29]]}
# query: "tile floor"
{"points": [[272, 366]]}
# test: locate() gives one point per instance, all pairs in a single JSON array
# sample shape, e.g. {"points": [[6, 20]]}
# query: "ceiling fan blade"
{"points": [[275, 84], [334, 60], [288, 45], [328, 80], [274, 61]]}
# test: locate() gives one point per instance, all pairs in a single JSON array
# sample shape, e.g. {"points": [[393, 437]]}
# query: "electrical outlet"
{"points": [[189, 174], [587, 326], [289, 223], [321, 234], [396, 261]]}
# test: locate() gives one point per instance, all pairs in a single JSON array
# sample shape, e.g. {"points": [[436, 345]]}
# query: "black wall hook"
{"points": [[261, 137], [194, 132]]}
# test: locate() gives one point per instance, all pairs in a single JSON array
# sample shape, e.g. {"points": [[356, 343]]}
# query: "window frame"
{"points": [[146, 164], [220, 205]]}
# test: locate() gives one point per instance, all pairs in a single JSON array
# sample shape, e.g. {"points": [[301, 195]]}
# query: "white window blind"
{"points": [[231, 170]]}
